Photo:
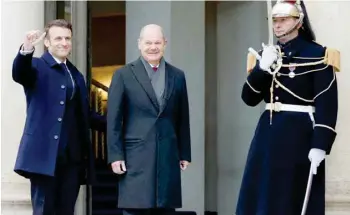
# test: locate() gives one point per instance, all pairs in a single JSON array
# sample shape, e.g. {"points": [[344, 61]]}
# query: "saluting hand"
{"points": [[119, 167], [184, 164], [32, 38]]}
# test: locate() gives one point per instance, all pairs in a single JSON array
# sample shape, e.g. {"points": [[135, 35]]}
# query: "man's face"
{"points": [[59, 42], [282, 25], [152, 45]]}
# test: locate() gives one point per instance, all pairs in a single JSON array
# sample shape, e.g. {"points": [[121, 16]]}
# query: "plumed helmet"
{"points": [[296, 9], [287, 8]]}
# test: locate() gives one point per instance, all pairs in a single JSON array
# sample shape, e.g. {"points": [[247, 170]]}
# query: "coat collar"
{"points": [[49, 59], [293, 47], [142, 77], [169, 83], [52, 61]]}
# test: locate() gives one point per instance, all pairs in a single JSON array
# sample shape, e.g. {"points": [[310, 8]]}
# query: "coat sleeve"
{"points": [[115, 110], [256, 85], [184, 137], [23, 71], [326, 108], [97, 121]]}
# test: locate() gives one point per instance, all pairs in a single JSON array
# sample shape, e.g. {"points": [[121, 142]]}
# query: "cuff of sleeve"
{"points": [[115, 157], [185, 157], [25, 52], [323, 137]]}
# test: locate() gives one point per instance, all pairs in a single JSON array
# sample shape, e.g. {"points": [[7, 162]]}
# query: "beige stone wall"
{"points": [[330, 22]]}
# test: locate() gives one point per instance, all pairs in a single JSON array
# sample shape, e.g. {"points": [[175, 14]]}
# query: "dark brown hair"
{"points": [[58, 23]]}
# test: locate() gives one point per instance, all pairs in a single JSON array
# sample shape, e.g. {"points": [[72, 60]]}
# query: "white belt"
{"points": [[278, 106]]}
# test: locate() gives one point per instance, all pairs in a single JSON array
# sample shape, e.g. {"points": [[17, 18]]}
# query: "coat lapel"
{"points": [[49, 59], [169, 85], [141, 75]]}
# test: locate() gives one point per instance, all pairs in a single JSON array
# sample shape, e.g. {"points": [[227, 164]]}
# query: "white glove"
{"points": [[316, 156], [268, 57]]}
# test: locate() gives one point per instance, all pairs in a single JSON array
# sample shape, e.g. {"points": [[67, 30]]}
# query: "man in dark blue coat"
{"points": [[55, 152], [297, 80], [148, 129]]}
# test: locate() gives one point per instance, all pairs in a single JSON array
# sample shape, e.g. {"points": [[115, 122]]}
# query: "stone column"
{"points": [[240, 25], [183, 24], [211, 113], [17, 19], [330, 23]]}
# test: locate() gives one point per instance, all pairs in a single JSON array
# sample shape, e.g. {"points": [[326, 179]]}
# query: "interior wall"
{"points": [[240, 25], [108, 32], [108, 40], [107, 8]]}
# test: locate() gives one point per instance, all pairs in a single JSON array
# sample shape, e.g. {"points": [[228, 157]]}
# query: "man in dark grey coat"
{"points": [[148, 129]]}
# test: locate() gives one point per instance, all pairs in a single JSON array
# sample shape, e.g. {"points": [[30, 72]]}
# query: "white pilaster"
{"points": [[330, 22], [17, 18]]}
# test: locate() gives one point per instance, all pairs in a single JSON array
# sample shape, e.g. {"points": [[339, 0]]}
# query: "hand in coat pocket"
{"points": [[118, 167]]}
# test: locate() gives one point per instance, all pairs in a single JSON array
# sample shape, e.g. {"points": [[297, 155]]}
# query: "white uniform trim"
{"points": [[303, 99], [256, 91], [304, 73], [325, 126], [278, 106], [327, 87]]}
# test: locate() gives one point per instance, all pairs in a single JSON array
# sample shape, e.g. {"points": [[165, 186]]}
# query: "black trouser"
{"points": [[155, 211], [56, 195]]}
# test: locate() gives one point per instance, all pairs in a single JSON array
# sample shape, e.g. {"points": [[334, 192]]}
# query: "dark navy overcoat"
{"points": [[277, 168], [42, 79]]}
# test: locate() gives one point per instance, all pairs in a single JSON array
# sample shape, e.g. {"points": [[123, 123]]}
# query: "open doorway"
{"points": [[106, 45], [107, 54]]}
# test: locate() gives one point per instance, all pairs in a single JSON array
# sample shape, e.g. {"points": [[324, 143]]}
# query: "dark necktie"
{"points": [[70, 81], [155, 68]]}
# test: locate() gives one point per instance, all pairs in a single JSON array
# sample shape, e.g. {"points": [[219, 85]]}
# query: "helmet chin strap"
{"points": [[290, 30]]}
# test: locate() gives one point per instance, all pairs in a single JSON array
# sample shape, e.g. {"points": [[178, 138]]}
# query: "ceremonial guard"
{"points": [[297, 80]]}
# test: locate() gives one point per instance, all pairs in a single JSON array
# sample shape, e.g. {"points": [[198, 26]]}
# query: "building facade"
{"points": [[209, 41]]}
